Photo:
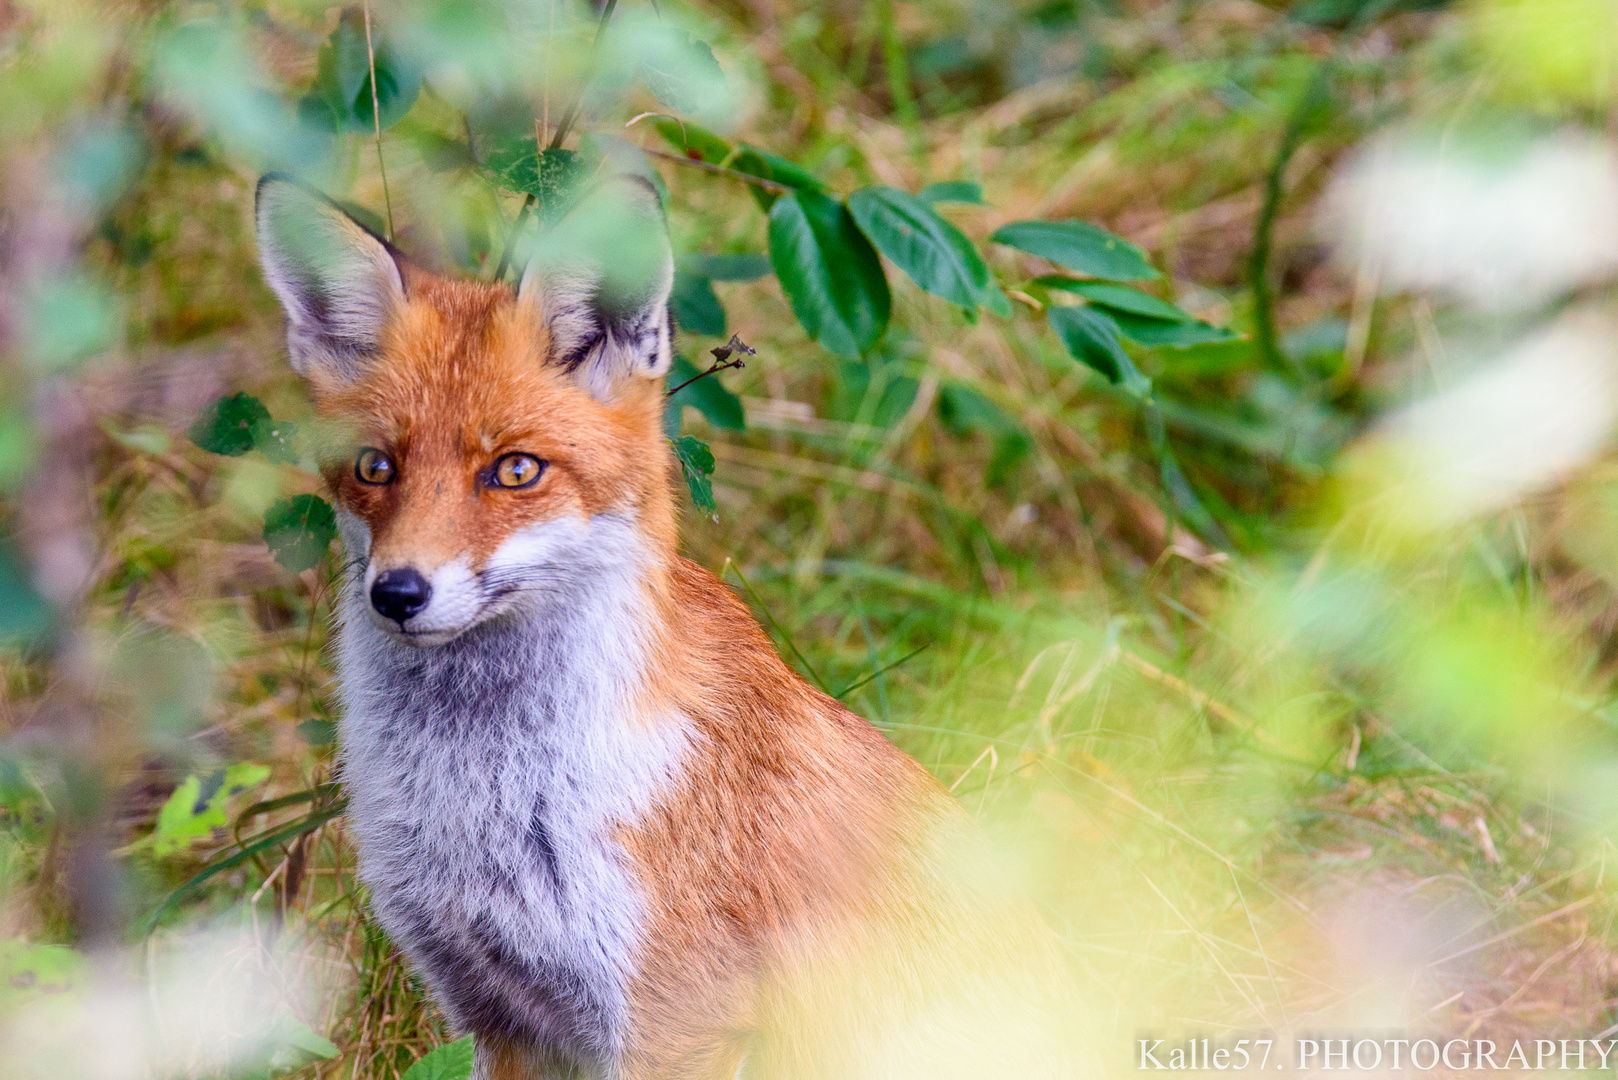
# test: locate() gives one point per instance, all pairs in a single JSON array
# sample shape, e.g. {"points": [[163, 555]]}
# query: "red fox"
{"points": [[613, 831]]}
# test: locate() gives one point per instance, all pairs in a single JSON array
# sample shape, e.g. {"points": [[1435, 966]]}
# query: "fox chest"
{"points": [[487, 824]]}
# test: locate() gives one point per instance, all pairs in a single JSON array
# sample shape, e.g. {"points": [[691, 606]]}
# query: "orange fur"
{"points": [[791, 872]]}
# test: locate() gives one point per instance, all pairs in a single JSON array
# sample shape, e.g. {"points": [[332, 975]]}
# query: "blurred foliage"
{"points": [[1172, 499]]}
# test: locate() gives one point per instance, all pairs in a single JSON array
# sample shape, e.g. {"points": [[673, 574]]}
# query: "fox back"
{"points": [[617, 836]]}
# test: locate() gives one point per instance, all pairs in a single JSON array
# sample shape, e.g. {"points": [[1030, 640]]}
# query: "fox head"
{"points": [[502, 444]]}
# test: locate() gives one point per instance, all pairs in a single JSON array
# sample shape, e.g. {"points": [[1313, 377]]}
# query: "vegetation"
{"points": [[1183, 426]]}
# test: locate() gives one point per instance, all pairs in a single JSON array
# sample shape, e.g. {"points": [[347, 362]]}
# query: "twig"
{"points": [[572, 114], [376, 118], [511, 238], [721, 361], [697, 163], [1258, 264]]}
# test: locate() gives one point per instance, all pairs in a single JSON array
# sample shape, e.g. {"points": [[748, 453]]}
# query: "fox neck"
{"points": [[599, 628]]}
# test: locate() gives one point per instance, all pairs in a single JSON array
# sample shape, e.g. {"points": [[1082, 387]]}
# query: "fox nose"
{"points": [[399, 594]]}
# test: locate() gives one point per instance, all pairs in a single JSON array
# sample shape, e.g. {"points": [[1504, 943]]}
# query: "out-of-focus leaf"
{"points": [[341, 98], [299, 531], [830, 272], [680, 71], [318, 732], [1092, 337], [875, 392], [197, 806], [1115, 298], [226, 426], [552, 177], [964, 411], [24, 614], [1172, 335], [29, 971], [273, 439], [1342, 13], [67, 318], [452, 1061], [695, 305], [707, 395], [1078, 246], [294, 1044], [937, 256], [744, 267], [694, 141], [696, 461], [955, 191]]}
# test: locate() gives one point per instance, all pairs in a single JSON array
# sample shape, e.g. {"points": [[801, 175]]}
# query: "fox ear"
{"points": [[599, 280], [338, 283]]}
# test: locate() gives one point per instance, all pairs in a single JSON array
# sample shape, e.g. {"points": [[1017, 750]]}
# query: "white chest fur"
{"points": [[487, 777]]}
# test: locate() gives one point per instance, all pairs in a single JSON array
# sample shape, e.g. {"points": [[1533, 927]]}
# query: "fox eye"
{"points": [[516, 471], [373, 467]]}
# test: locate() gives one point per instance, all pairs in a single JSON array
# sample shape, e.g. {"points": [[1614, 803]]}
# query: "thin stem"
{"points": [[511, 238], [716, 368], [572, 114], [720, 170], [1258, 264], [808, 668], [376, 117]]}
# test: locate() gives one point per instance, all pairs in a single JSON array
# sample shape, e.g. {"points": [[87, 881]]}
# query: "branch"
{"points": [[721, 361], [572, 113], [696, 163]]}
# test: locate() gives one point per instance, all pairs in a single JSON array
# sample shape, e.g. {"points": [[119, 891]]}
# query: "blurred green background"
{"points": [[1272, 629]]}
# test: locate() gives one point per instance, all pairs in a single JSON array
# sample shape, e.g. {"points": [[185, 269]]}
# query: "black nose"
{"points": [[399, 594]]}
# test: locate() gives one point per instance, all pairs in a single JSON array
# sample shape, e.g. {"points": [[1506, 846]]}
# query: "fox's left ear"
{"points": [[600, 282]]}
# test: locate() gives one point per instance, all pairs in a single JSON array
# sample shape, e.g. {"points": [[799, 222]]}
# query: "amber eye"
{"points": [[373, 467], [517, 470]]}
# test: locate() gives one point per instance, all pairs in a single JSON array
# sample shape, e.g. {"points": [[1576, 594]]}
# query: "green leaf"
{"points": [[680, 71], [317, 732], [1157, 333], [696, 460], [695, 305], [299, 530], [707, 395], [341, 99], [29, 972], [273, 439], [965, 411], [748, 266], [694, 141], [197, 806], [1092, 337], [767, 166], [957, 191], [263, 842], [829, 272], [295, 1043], [1078, 246], [1115, 298], [24, 614], [552, 177], [937, 256], [226, 426], [452, 1061]]}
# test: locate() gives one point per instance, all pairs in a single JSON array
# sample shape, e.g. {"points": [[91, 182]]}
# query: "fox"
{"points": [[614, 833]]}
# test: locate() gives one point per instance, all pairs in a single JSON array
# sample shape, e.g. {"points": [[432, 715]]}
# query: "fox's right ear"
{"points": [[339, 284]]}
